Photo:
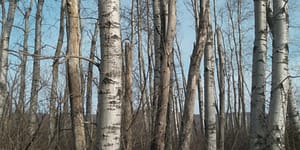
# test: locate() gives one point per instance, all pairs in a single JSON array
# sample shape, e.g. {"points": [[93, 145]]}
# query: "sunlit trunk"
{"points": [[74, 76], [110, 89], [258, 119], [168, 15], [280, 84]]}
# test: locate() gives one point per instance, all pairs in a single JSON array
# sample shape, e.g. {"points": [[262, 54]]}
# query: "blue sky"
{"points": [[185, 34]]}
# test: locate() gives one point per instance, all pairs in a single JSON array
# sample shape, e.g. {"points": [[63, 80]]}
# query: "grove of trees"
{"points": [[111, 74]]}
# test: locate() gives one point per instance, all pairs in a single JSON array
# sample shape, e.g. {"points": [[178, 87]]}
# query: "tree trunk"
{"points": [[168, 15], [7, 23], [293, 116], [221, 89], [54, 94], [21, 104], [239, 53], [258, 119], [82, 74], [35, 86], [209, 91], [110, 95], [193, 76], [201, 104], [280, 85], [236, 98], [170, 114], [157, 53], [89, 90], [141, 64], [74, 76], [127, 104]]}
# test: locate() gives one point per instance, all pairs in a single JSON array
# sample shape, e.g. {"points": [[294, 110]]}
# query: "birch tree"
{"points": [[221, 77], [89, 85], [258, 120], [110, 95], [209, 95], [7, 23], [127, 105], [280, 84], [35, 85], [293, 116], [193, 76], [73, 73], [168, 20], [23, 64], [141, 64], [157, 53], [53, 93]]}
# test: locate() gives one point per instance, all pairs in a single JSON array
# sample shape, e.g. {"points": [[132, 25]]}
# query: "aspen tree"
{"points": [[23, 64], [35, 85], [258, 120], [73, 72], [193, 76], [168, 20], [209, 91], [221, 65], [7, 23], [157, 53], [89, 89], [280, 84], [127, 104], [53, 92], [110, 90]]}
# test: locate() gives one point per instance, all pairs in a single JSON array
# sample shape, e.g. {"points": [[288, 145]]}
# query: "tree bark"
{"points": [[209, 91], [21, 104], [193, 76], [221, 89], [280, 85], [293, 116], [157, 53], [168, 15], [127, 104], [35, 86], [89, 89], [54, 94], [110, 95], [258, 118], [4, 47], [239, 57], [141, 64], [74, 76]]}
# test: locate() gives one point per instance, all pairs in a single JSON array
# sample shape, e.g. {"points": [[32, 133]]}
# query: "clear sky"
{"points": [[185, 34]]}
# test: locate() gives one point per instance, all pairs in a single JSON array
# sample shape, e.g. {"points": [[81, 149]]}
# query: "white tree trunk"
{"points": [[280, 84], [258, 119], [209, 91], [4, 46], [109, 102], [293, 116]]}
